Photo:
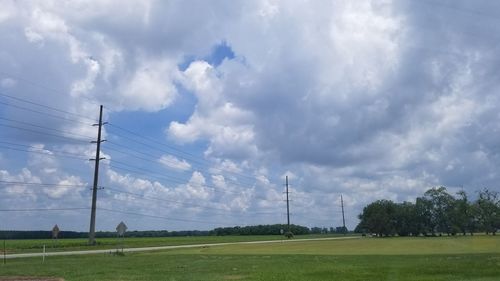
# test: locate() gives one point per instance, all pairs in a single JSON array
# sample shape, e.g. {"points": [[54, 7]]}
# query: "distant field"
{"points": [[36, 245], [439, 259]]}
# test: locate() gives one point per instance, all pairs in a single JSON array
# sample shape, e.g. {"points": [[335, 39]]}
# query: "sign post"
{"points": [[55, 234], [120, 229], [4, 252]]}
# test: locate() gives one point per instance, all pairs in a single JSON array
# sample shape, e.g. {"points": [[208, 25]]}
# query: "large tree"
{"points": [[442, 204], [379, 217], [488, 210], [462, 215], [424, 224], [406, 217]]}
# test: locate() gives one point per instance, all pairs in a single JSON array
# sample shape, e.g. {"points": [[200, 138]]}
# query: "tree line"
{"points": [[273, 229], [437, 212], [42, 234], [268, 229]]}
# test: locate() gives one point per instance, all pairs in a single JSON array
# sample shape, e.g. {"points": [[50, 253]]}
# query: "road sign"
{"points": [[55, 231], [121, 228]]}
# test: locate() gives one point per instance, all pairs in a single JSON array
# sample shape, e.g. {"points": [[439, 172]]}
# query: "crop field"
{"points": [[36, 245], [439, 258]]}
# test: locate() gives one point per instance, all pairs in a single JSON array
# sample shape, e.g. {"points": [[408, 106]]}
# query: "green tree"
{"points": [[405, 218], [488, 211], [424, 224], [441, 210], [379, 217], [462, 215]]}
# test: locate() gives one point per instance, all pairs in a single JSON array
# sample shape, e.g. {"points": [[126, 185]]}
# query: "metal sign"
{"points": [[55, 231], [121, 228]]}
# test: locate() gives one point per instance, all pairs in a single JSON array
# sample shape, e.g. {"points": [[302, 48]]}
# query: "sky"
{"points": [[211, 104]]}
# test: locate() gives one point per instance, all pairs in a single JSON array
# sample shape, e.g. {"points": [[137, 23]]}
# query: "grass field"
{"points": [[36, 245], [439, 258]]}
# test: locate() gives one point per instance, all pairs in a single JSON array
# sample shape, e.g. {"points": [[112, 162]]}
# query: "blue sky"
{"points": [[211, 104]]}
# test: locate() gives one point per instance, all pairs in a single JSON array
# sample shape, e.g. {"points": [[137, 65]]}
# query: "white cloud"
{"points": [[67, 186], [150, 87], [174, 163], [228, 127], [372, 99], [7, 83]]}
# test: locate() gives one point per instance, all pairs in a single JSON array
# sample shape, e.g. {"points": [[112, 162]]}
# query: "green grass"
{"points": [[367, 246], [36, 245], [440, 259]]}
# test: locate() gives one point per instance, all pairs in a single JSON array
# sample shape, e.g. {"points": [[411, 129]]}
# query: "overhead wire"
{"points": [[161, 178], [156, 162], [43, 209], [137, 195], [51, 153], [44, 113], [42, 127], [42, 86], [46, 134], [41, 184], [191, 157], [46, 106], [74, 139], [160, 217]]}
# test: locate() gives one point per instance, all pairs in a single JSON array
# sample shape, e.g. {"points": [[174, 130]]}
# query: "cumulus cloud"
{"points": [[173, 162], [371, 99]]}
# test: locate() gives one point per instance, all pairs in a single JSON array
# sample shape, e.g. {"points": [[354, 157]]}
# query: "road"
{"points": [[144, 249]]}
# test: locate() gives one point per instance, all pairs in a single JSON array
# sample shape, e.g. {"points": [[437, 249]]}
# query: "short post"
{"points": [[55, 234], [120, 231], [43, 256], [4, 252]]}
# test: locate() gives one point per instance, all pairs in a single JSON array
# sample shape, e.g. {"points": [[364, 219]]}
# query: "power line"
{"points": [[152, 161], [42, 127], [39, 85], [148, 139], [179, 181], [142, 171], [52, 154], [47, 196], [43, 209], [45, 106], [192, 157], [160, 217], [43, 113], [137, 195], [42, 184], [42, 133]]}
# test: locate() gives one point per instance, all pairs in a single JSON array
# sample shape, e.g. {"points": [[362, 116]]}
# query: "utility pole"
{"points": [[287, 205], [96, 178], [343, 217]]}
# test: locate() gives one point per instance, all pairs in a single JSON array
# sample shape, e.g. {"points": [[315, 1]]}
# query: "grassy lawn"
{"points": [[458, 258], [36, 245]]}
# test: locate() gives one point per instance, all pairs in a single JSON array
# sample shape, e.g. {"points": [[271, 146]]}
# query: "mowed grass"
{"points": [[440, 258], [367, 246], [36, 245]]}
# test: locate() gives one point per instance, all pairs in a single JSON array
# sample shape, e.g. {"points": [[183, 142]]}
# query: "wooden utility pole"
{"points": [[287, 205], [343, 217], [96, 179]]}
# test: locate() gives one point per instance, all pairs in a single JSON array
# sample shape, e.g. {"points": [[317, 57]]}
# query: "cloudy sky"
{"points": [[210, 104]]}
